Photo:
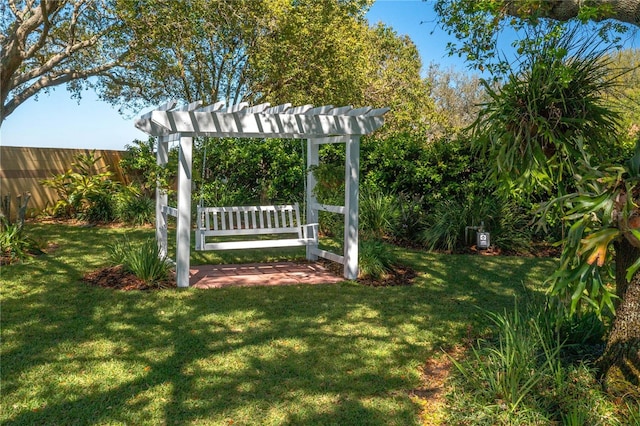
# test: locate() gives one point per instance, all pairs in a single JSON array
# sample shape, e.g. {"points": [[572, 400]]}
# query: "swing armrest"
{"points": [[310, 231]]}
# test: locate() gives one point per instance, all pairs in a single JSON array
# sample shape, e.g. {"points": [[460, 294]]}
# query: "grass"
{"points": [[338, 354]]}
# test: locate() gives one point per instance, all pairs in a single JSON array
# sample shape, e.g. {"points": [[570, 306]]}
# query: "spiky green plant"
{"points": [[378, 213], [375, 259], [549, 112], [15, 244], [144, 260]]}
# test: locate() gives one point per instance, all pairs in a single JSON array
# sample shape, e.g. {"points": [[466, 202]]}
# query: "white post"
{"points": [[183, 234], [162, 158], [313, 159], [352, 177]]}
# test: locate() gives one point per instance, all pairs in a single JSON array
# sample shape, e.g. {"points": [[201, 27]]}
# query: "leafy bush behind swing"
{"points": [[406, 182], [249, 171]]}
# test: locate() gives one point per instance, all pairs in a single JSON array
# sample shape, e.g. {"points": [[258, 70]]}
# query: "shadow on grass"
{"points": [[341, 354]]}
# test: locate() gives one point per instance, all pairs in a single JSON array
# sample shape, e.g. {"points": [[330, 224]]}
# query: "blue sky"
{"points": [[56, 120]]}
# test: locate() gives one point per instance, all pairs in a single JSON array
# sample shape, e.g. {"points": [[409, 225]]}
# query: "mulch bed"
{"points": [[400, 276], [117, 278]]}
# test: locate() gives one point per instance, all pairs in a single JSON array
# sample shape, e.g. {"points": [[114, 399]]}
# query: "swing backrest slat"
{"points": [[250, 220]]}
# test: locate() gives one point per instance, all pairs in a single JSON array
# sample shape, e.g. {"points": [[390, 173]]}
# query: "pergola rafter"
{"points": [[318, 125], [261, 121]]}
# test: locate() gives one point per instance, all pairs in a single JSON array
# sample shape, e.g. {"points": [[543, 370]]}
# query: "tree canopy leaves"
{"points": [[478, 25], [49, 43], [139, 53]]}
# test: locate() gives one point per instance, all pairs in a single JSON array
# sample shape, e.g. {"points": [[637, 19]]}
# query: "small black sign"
{"points": [[483, 240]]}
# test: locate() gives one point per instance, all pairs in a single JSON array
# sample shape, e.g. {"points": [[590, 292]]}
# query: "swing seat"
{"points": [[280, 221]]}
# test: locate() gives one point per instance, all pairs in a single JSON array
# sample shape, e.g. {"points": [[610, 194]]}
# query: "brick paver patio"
{"points": [[260, 274]]}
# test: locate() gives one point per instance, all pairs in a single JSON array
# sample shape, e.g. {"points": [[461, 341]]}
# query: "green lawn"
{"points": [[337, 354]]}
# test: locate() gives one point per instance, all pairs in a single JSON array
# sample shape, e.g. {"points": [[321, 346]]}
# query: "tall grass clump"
{"points": [[378, 213], [509, 224], [144, 261], [376, 259], [447, 221], [523, 376], [136, 209]]}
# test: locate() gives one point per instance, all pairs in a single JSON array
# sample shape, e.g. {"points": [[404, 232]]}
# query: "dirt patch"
{"points": [[117, 278], [431, 393]]}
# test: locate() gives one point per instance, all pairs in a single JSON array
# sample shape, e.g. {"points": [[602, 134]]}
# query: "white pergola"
{"points": [[318, 125]]}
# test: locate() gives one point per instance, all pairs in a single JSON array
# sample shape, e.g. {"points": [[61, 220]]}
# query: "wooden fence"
{"points": [[22, 170]]}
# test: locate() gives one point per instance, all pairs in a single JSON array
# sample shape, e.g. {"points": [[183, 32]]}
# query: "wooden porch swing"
{"points": [[281, 222], [319, 125], [278, 220]]}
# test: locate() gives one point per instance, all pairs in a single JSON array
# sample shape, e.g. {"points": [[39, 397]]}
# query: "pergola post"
{"points": [[162, 158], [313, 159], [183, 230], [352, 177]]}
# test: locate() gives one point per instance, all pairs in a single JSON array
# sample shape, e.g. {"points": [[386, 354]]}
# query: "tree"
{"points": [[477, 25], [457, 97], [243, 50], [604, 235], [315, 53], [394, 80], [195, 50], [44, 44], [629, 83], [302, 52], [545, 125], [564, 10]]}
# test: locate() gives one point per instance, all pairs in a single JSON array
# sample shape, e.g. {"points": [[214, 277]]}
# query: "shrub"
{"points": [[330, 183], [144, 261], [140, 165], [330, 189], [376, 259], [331, 224], [136, 209], [100, 206], [438, 170], [219, 193], [259, 171], [410, 221], [378, 213], [15, 245], [84, 193]]}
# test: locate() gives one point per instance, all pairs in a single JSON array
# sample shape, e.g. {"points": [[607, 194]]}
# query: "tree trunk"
{"points": [[620, 363], [626, 254]]}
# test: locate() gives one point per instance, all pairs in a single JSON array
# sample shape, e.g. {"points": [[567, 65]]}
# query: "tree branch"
{"points": [[627, 11], [54, 61], [52, 80]]}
